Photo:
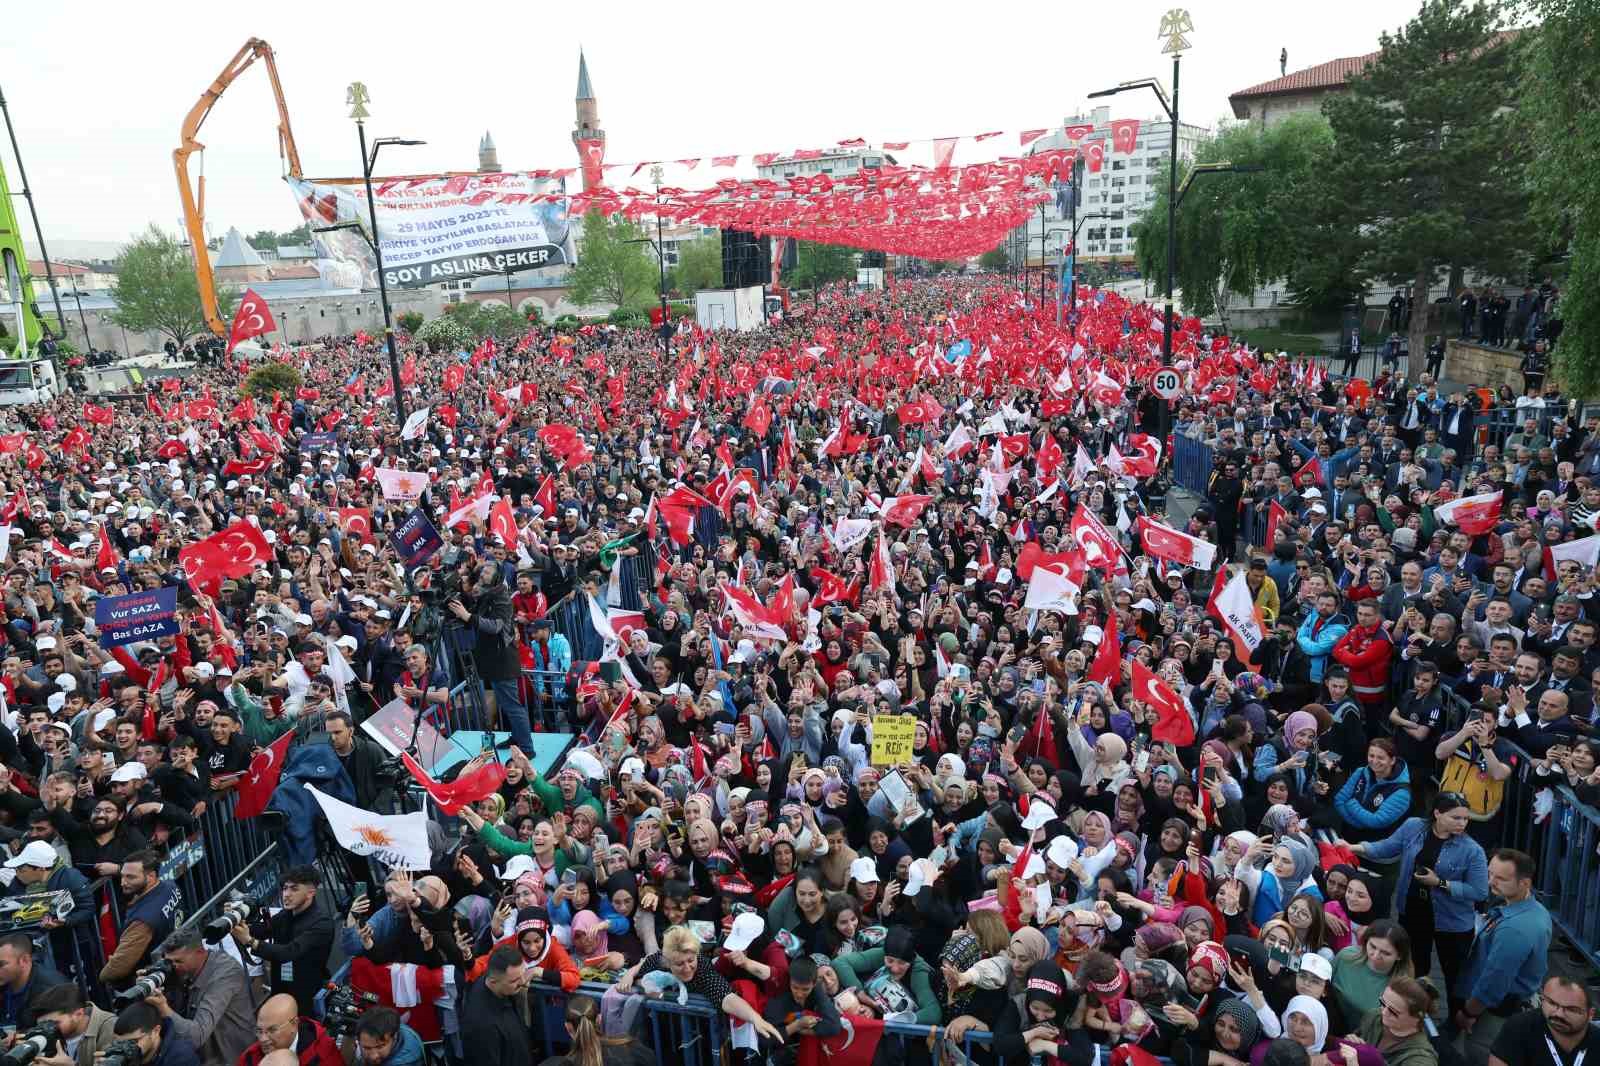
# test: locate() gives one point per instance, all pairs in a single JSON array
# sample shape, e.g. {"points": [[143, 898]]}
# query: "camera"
{"points": [[235, 912], [40, 1040], [342, 1009], [149, 983], [123, 1052]]}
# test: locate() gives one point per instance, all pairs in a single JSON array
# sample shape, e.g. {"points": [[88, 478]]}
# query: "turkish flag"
{"points": [[1016, 446], [245, 409], [75, 440], [1145, 457], [881, 576], [1275, 515], [503, 522], [258, 784], [1473, 515], [1078, 132], [1055, 408], [12, 442], [1173, 721], [152, 406], [173, 448], [1095, 153], [252, 319], [1106, 666], [1309, 474], [308, 394], [265, 441], [281, 422], [356, 522], [472, 785], [1105, 390], [903, 510], [831, 588], [1050, 457], [454, 376], [1099, 545], [235, 467], [678, 510], [855, 1046], [759, 420], [408, 371], [1072, 564], [106, 558], [1175, 546], [171, 385], [1124, 135], [201, 410], [357, 386], [546, 496], [100, 416], [918, 412]]}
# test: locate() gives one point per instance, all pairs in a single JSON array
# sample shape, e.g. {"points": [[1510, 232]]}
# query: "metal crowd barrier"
{"points": [[1191, 463]]}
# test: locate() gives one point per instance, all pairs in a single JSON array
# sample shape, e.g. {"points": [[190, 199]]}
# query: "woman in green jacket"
{"points": [[1398, 1028], [898, 958], [549, 857]]}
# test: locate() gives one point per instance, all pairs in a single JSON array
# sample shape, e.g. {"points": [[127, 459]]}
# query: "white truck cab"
{"points": [[28, 381]]}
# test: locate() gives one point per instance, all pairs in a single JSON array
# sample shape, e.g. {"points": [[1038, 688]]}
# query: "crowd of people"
{"points": [[1120, 820]]}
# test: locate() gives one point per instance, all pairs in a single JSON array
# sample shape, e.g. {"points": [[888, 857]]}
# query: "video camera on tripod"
{"points": [[342, 1009]]}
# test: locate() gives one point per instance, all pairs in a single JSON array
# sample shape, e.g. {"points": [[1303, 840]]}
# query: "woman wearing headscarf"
{"points": [[1291, 752], [991, 982], [1035, 1025], [1364, 903], [899, 962], [1233, 1035], [1103, 767], [621, 890], [1288, 873], [1305, 1021]]}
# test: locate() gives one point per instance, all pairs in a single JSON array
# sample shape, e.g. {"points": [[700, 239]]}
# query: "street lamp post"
{"points": [[358, 97], [1174, 25], [77, 295], [1077, 224], [661, 260]]}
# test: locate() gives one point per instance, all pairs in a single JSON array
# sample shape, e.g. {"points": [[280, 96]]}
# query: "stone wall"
{"points": [[1475, 365]]}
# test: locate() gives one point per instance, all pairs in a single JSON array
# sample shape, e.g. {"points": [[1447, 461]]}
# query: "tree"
{"points": [[410, 321], [156, 288], [445, 332], [272, 377], [1237, 232], [1430, 154], [1558, 91], [699, 266], [271, 240], [817, 264], [610, 269], [994, 259]]}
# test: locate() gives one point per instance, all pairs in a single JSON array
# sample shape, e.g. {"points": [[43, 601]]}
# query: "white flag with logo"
{"points": [[848, 532], [1237, 608], [1050, 591], [399, 840], [404, 485], [415, 424]]}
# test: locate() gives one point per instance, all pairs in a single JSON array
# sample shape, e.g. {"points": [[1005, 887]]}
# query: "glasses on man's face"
{"points": [[266, 1031]]}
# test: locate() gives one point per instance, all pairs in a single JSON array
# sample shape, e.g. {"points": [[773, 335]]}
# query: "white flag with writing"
{"points": [[399, 840]]}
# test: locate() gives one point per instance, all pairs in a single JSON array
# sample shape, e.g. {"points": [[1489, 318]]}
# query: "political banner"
{"points": [[415, 539], [319, 442], [437, 228], [136, 616]]}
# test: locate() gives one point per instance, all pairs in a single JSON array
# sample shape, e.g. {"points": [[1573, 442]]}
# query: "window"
{"points": [[1116, 233], [1117, 164], [1154, 161], [1117, 199], [1097, 234], [1117, 183], [1137, 179], [1115, 248]]}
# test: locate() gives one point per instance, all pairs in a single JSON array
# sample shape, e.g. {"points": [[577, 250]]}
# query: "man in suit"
{"points": [[1455, 423]]}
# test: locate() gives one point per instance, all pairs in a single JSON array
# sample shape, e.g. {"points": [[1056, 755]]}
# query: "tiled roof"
{"points": [[1330, 75]]}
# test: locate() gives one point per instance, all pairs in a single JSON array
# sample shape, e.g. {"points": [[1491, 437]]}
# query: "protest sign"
{"points": [[415, 539], [892, 739], [136, 616]]}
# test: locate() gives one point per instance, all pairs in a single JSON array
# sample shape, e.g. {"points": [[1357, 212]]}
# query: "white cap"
{"points": [[129, 771], [1147, 604], [103, 717], [517, 866], [1003, 577], [44, 643], [347, 641], [1312, 493], [66, 683], [1316, 966], [205, 670], [1063, 851], [744, 652], [923, 872], [37, 853], [1092, 635], [745, 929], [864, 871], [56, 701], [1039, 812]]}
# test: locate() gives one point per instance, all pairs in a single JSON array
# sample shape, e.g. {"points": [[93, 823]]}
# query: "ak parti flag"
{"points": [[261, 780]]}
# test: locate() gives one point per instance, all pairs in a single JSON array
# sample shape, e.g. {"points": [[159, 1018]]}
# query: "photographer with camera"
{"points": [[210, 1006], [150, 915], [281, 1028], [84, 1029], [144, 1038], [484, 606], [295, 942], [383, 1040]]}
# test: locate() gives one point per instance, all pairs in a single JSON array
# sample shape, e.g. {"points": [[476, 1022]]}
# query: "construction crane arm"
{"points": [[194, 199]]}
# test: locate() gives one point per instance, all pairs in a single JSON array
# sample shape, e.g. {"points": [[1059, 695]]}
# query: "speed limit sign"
{"points": [[1166, 383]]}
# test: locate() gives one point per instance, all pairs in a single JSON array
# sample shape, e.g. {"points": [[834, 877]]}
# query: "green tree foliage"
{"points": [[1559, 89], [271, 377], [156, 288], [994, 259], [409, 321], [445, 332], [610, 269], [1237, 232], [699, 266], [1429, 160], [818, 264], [272, 240]]}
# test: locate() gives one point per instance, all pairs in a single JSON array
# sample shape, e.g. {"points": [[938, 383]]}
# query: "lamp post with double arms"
{"points": [[357, 97]]}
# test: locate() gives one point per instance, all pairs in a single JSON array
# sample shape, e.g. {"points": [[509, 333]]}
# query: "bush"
{"points": [[628, 318], [410, 321], [272, 377], [567, 323], [532, 311], [446, 332]]}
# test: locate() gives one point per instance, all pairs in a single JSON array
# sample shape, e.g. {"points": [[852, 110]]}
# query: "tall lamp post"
{"points": [[358, 98], [1077, 224], [1174, 25], [661, 260]]}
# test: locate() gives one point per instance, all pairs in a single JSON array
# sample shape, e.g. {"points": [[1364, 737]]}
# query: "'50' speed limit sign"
{"points": [[1166, 383]]}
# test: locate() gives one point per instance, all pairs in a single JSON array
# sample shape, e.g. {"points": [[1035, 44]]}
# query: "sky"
{"points": [[98, 90]]}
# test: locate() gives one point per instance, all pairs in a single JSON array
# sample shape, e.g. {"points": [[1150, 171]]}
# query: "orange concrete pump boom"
{"points": [[194, 201]]}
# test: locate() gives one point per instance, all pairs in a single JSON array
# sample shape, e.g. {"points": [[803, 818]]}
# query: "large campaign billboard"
{"points": [[438, 228]]}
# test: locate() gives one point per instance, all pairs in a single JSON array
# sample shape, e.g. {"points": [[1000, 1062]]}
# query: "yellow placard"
{"points": [[892, 738]]}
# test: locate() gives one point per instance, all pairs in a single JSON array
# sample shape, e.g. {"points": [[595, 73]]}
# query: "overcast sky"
{"points": [[98, 90]]}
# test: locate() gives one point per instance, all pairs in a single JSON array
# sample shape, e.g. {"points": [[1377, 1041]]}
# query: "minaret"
{"points": [[587, 136], [488, 157]]}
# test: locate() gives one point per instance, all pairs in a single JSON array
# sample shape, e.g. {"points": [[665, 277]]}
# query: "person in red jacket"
{"points": [[279, 1027], [1365, 652], [546, 961]]}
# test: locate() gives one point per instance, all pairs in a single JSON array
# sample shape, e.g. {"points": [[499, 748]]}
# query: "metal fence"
{"points": [[1191, 464]]}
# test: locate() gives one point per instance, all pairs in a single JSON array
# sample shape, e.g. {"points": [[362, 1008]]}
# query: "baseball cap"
{"points": [[1316, 966], [864, 871], [745, 929], [129, 771], [38, 854]]}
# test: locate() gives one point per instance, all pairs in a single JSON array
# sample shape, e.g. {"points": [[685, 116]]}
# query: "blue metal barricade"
{"points": [[1191, 464], [1569, 871]]}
